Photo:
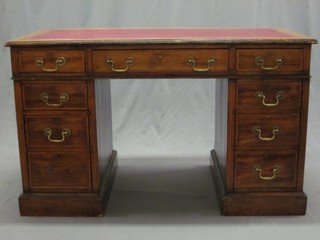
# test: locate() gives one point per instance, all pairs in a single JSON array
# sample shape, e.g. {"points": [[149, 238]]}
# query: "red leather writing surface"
{"points": [[187, 33]]}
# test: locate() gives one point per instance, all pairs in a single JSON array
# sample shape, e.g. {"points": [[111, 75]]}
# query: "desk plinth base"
{"points": [[256, 203], [77, 204]]}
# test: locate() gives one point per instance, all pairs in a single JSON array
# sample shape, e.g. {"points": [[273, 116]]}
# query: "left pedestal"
{"points": [[65, 138]]}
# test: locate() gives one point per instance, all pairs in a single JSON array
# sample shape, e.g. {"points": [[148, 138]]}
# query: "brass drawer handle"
{"points": [[276, 169], [64, 97], [65, 133], [191, 61], [128, 62], [256, 129], [260, 62], [279, 96], [59, 62]]}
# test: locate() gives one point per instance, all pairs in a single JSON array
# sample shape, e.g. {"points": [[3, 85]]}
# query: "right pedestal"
{"points": [[260, 137]]}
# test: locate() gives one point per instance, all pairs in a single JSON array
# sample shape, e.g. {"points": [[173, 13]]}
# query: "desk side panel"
{"points": [[221, 127], [101, 129]]}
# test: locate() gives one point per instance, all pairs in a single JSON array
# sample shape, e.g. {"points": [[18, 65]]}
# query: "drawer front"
{"points": [[268, 95], [262, 169], [173, 62], [259, 130], [49, 172], [256, 61], [58, 132], [49, 61], [54, 96]]}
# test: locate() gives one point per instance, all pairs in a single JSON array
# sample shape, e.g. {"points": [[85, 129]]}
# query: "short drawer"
{"points": [[51, 61], [263, 169], [54, 96], [257, 61], [64, 171], [171, 62], [56, 131], [265, 94], [259, 130]]}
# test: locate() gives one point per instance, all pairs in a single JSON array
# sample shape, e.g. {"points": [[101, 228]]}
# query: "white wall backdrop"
{"points": [[157, 123]]}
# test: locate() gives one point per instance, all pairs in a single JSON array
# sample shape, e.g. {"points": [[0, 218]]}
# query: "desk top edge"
{"points": [[160, 36]]}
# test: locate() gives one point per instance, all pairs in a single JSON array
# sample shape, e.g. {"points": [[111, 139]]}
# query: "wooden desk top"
{"points": [[161, 35]]}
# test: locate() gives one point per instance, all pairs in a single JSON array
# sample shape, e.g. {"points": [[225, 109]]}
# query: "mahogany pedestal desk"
{"points": [[62, 96]]}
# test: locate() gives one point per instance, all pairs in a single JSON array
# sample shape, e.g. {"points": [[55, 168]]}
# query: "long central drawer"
{"points": [[171, 62]]}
